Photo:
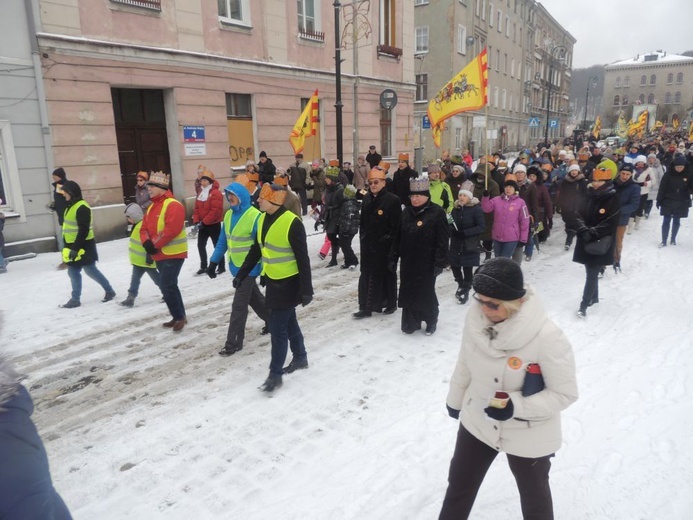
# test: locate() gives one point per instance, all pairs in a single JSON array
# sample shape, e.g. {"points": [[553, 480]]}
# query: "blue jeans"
{"points": [[75, 274], [285, 331], [168, 283], [504, 249], [529, 246], [137, 274]]}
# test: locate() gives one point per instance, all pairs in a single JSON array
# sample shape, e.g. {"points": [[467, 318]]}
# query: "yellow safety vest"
{"points": [[239, 239], [278, 259], [138, 256], [179, 244], [70, 226]]}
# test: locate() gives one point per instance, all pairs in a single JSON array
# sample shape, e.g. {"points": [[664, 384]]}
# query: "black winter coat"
{"points": [[571, 198], [266, 170], [380, 220], [422, 245], [494, 190], [674, 195], [465, 233], [59, 203], [599, 218], [334, 198], [400, 184], [349, 217]]}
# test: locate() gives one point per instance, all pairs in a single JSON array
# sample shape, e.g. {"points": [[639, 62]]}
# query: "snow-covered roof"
{"points": [[652, 57]]}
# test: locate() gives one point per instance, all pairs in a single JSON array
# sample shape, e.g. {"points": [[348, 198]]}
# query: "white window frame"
{"points": [[500, 21], [495, 97], [491, 12], [461, 39], [458, 138], [317, 19], [507, 26], [421, 32], [420, 2], [512, 68], [504, 99], [10, 173], [245, 14], [483, 10]]}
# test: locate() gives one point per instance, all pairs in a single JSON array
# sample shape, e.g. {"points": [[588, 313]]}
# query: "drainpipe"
{"points": [[30, 8]]}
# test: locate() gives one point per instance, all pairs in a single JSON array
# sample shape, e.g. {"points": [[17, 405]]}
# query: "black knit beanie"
{"points": [[501, 279]]}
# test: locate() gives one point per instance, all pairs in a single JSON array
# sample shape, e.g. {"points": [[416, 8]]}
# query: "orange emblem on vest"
{"points": [[602, 211], [419, 223], [380, 212], [515, 363]]}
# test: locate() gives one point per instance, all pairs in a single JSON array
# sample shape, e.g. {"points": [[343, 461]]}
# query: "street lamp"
{"points": [[559, 55], [592, 81]]}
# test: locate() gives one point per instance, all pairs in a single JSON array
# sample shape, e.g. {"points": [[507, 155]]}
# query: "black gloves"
{"points": [[236, 283], [437, 271], [455, 414], [486, 193], [317, 225], [392, 267], [306, 299], [73, 255], [658, 205], [149, 247], [212, 270], [148, 259], [500, 414]]}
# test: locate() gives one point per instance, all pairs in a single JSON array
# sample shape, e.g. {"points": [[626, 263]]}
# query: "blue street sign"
{"points": [[426, 123], [534, 122], [553, 123], [194, 134]]}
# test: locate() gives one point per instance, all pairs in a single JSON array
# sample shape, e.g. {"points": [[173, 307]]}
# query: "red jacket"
{"points": [[211, 211], [174, 223]]}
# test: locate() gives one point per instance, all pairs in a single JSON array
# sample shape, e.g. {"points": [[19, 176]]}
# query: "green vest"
{"points": [[278, 259], [138, 256], [239, 239], [179, 244], [70, 227]]}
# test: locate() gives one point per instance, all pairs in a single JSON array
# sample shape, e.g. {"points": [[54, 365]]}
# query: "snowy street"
{"points": [[143, 423]]}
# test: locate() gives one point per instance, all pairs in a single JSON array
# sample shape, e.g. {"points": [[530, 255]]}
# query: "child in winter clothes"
{"points": [[141, 261], [349, 226], [207, 215], [468, 223], [510, 218]]}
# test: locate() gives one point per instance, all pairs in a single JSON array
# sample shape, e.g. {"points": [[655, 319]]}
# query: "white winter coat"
{"points": [[656, 172], [486, 365], [646, 179]]}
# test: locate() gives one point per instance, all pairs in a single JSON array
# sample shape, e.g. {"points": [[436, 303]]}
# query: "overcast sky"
{"points": [[614, 30]]}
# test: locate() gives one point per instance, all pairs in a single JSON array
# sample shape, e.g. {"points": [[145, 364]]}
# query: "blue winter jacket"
{"points": [[237, 212], [26, 489], [628, 194]]}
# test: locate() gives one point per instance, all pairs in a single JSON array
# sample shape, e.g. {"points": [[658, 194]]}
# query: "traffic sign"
{"points": [[388, 99], [553, 123], [426, 123], [534, 122]]}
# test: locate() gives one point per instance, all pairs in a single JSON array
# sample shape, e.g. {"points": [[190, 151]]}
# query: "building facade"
{"points": [[170, 84], [529, 64], [662, 82]]}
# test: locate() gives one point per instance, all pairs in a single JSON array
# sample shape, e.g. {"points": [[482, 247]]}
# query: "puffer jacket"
{"points": [[26, 489], [210, 211], [510, 217], [487, 365]]}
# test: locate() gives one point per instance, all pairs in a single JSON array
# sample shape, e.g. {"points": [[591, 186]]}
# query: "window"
{"points": [[677, 98], [420, 2], [643, 80], [309, 20], [653, 79], [617, 84], [505, 63], [385, 132], [519, 71], [387, 23], [461, 39], [667, 97], [483, 9], [421, 46], [626, 81], [147, 4], [238, 105], [10, 193], [234, 11], [497, 59], [495, 97], [650, 99], [504, 99], [500, 21], [239, 126], [625, 100], [679, 78], [512, 68], [489, 53], [421, 87], [491, 12], [477, 7], [641, 98], [617, 100], [458, 138], [507, 27], [670, 78]]}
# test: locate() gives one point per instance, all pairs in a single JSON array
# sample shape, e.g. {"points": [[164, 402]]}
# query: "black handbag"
{"points": [[598, 247]]}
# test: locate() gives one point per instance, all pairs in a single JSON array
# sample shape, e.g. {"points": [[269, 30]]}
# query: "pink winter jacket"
{"points": [[510, 217]]}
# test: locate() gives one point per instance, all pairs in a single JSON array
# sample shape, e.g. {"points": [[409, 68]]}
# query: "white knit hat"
{"points": [[573, 167], [519, 168]]}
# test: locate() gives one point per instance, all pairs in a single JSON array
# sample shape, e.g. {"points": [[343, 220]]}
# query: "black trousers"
{"points": [[377, 291], [471, 461], [212, 231], [463, 275], [591, 289]]}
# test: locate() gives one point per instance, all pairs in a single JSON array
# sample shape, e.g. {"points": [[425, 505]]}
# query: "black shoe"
{"points": [[108, 296], [617, 267], [201, 270], [430, 329], [344, 266], [463, 298], [221, 270], [271, 383], [362, 314], [582, 312], [593, 301], [333, 263], [390, 310], [459, 292], [296, 364], [566, 247], [71, 304], [129, 301], [662, 244], [673, 242], [229, 350], [264, 331]]}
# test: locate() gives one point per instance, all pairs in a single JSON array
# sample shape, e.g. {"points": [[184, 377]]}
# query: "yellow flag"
{"points": [[675, 122], [597, 127], [621, 129], [658, 125], [437, 130], [468, 90], [642, 123], [305, 124]]}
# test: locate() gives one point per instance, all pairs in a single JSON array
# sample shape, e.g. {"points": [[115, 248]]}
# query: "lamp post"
{"points": [[592, 81], [561, 54], [338, 82]]}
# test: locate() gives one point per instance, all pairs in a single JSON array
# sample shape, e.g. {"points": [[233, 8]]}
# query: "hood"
{"points": [[134, 211], [74, 190], [9, 381], [243, 195]]}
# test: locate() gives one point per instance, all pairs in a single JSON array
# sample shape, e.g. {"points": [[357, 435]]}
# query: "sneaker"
{"points": [[271, 383], [322, 256], [128, 302], [673, 242], [362, 314], [463, 298], [430, 329], [459, 292], [108, 296], [581, 313], [352, 267], [201, 270], [389, 310], [71, 304], [528, 258], [296, 364], [229, 350], [662, 244]]}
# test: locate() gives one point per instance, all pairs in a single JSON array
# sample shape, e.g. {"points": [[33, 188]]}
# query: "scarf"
{"points": [[204, 194]]}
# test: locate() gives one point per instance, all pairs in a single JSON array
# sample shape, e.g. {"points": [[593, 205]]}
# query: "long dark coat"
{"points": [[334, 198], [422, 245], [400, 184], [600, 216], [572, 197], [380, 220], [465, 232], [674, 195], [494, 190]]}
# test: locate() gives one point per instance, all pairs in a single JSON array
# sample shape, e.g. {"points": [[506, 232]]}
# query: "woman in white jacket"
{"points": [[506, 331]]}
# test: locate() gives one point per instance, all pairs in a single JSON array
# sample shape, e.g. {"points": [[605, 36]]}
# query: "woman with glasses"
{"points": [[380, 217], [505, 332]]}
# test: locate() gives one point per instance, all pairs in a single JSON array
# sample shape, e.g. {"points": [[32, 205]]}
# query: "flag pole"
{"points": [[486, 139]]}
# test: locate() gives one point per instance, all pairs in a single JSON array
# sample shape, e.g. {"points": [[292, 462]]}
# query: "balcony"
{"points": [[154, 5], [314, 36], [389, 50]]}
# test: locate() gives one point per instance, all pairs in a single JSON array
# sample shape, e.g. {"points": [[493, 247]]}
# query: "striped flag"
{"points": [[305, 125]]}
